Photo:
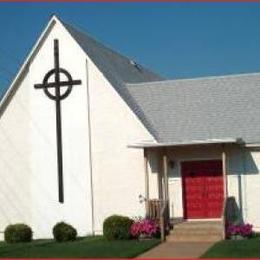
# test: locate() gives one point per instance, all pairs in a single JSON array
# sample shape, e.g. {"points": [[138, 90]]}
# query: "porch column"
{"points": [[147, 195], [165, 176], [224, 169], [160, 174], [225, 183], [164, 218]]}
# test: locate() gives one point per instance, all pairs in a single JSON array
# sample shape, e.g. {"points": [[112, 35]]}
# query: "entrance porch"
{"points": [[187, 182]]}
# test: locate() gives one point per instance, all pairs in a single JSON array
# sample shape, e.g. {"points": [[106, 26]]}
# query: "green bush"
{"points": [[64, 232], [117, 227], [18, 233]]}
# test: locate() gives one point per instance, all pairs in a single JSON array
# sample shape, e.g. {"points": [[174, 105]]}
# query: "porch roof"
{"points": [[147, 144]]}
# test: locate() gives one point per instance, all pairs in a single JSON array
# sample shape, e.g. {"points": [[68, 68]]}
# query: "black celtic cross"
{"points": [[57, 97]]}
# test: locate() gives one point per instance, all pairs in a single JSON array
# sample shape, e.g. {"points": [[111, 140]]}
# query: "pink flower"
{"points": [[144, 227], [244, 230]]}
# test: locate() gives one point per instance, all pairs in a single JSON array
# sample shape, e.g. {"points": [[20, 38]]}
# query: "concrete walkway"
{"points": [[178, 250]]}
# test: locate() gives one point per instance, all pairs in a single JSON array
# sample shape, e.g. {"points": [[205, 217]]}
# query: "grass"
{"points": [[94, 247], [248, 248]]}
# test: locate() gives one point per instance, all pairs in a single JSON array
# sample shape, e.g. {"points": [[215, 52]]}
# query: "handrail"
{"points": [[163, 219], [158, 209]]}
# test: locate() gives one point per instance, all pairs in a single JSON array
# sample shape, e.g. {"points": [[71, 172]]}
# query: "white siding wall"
{"points": [[118, 171], [28, 183], [14, 161], [250, 182], [28, 166]]}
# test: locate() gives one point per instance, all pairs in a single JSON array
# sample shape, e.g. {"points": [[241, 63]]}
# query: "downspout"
{"points": [[243, 184], [90, 151]]}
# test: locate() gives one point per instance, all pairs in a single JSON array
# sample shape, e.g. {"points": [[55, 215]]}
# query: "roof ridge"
{"points": [[193, 79]]}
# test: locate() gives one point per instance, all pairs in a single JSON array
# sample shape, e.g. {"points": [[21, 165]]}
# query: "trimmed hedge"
{"points": [[117, 227], [64, 232], [17, 233]]}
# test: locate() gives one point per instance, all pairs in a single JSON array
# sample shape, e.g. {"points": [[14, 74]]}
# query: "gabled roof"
{"points": [[173, 111], [179, 111], [118, 69], [203, 108]]}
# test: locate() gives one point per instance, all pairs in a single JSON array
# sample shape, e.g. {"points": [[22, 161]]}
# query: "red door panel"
{"points": [[202, 189]]}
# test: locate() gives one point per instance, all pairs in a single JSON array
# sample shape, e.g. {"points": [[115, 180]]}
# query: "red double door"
{"points": [[202, 189]]}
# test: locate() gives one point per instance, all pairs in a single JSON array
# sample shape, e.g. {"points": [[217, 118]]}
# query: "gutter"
{"points": [[186, 143]]}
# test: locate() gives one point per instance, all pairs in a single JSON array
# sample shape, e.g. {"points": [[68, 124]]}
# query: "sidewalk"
{"points": [[178, 250]]}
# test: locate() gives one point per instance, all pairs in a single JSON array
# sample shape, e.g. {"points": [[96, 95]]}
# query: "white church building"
{"points": [[85, 131]]}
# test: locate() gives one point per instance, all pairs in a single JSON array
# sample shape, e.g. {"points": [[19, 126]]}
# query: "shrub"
{"points": [[64, 232], [117, 227], [145, 227], [244, 230], [18, 233]]}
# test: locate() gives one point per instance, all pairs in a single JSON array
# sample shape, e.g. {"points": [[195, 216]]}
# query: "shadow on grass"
{"points": [[95, 247]]}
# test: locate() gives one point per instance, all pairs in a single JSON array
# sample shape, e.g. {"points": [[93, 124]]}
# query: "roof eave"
{"points": [[188, 143]]}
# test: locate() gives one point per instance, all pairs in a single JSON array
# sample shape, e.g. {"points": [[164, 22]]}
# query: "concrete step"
{"points": [[194, 238], [198, 224], [196, 231]]}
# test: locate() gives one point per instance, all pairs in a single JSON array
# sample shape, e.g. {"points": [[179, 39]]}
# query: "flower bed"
{"points": [[144, 228], [239, 231]]}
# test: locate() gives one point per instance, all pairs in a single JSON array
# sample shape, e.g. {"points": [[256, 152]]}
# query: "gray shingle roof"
{"points": [[181, 110], [202, 108], [117, 68]]}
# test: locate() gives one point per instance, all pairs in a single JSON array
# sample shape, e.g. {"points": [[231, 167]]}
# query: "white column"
{"points": [[165, 176], [160, 174], [146, 174], [224, 170]]}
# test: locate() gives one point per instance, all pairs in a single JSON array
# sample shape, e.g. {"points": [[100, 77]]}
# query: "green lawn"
{"points": [[249, 248], [95, 247]]}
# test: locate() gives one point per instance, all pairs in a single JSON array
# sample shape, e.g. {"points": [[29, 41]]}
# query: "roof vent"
{"points": [[137, 66]]}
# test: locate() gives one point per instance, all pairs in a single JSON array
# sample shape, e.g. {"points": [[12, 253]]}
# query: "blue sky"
{"points": [[177, 40]]}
